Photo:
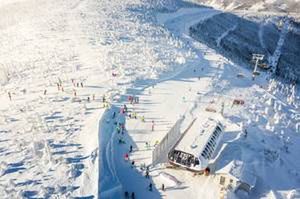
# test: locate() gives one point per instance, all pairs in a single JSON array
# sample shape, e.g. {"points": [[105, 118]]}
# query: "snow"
{"points": [[277, 53], [51, 145], [196, 138], [279, 6], [62, 141], [238, 170], [219, 40]]}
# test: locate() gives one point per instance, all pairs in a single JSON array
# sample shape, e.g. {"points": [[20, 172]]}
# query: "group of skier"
{"points": [[143, 167], [133, 99]]}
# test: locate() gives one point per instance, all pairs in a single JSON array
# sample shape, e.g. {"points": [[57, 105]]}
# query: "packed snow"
{"points": [[68, 71]]}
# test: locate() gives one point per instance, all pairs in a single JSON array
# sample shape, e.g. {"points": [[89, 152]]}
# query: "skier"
{"points": [[77, 84], [75, 94], [152, 126], [135, 100], [60, 82], [73, 82], [163, 187], [245, 133], [121, 141], [118, 129], [58, 86], [94, 97], [88, 99], [81, 85], [125, 108], [132, 195], [146, 145], [147, 174], [9, 95], [130, 149], [114, 115], [126, 194], [150, 186], [132, 164], [142, 166], [126, 157], [143, 118], [45, 92], [131, 99], [134, 115]]}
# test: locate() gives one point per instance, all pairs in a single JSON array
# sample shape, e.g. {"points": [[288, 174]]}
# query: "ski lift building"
{"points": [[197, 146], [238, 176]]}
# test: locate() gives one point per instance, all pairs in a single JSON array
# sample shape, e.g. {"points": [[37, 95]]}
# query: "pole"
{"points": [[256, 63]]}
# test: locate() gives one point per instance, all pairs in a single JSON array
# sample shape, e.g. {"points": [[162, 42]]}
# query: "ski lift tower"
{"points": [[256, 58]]}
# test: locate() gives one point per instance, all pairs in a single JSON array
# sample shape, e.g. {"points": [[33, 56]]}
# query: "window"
{"points": [[210, 148], [222, 180], [212, 142], [214, 136], [205, 153]]}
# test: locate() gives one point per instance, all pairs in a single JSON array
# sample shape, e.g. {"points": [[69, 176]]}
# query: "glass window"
{"points": [[197, 161], [222, 180]]}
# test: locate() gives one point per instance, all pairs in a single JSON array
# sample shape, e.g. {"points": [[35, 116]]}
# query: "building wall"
{"points": [[226, 181]]}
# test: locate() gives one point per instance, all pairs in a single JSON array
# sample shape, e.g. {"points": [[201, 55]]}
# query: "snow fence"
{"points": [[160, 153]]}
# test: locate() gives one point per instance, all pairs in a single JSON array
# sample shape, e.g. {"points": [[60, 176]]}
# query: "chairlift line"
{"points": [[256, 58]]}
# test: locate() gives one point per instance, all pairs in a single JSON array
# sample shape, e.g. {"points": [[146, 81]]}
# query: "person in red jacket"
{"points": [[126, 157]]}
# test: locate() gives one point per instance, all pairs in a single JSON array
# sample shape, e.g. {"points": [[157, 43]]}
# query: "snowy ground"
{"points": [[61, 145], [49, 145], [211, 79]]}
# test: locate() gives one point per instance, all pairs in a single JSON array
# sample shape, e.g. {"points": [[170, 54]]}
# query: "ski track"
{"points": [[219, 40], [277, 53], [60, 145], [87, 41], [221, 70]]}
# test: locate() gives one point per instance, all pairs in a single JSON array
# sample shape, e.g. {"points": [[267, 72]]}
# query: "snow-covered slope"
{"points": [[49, 129], [66, 66], [269, 114], [254, 5]]}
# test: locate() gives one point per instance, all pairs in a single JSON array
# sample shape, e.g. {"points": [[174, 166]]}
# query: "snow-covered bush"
{"points": [[164, 5], [4, 75]]}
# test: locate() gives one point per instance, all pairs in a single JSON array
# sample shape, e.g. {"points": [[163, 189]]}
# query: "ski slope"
{"points": [[277, 53], [211, 78], [58, 137], [49, 145]]}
